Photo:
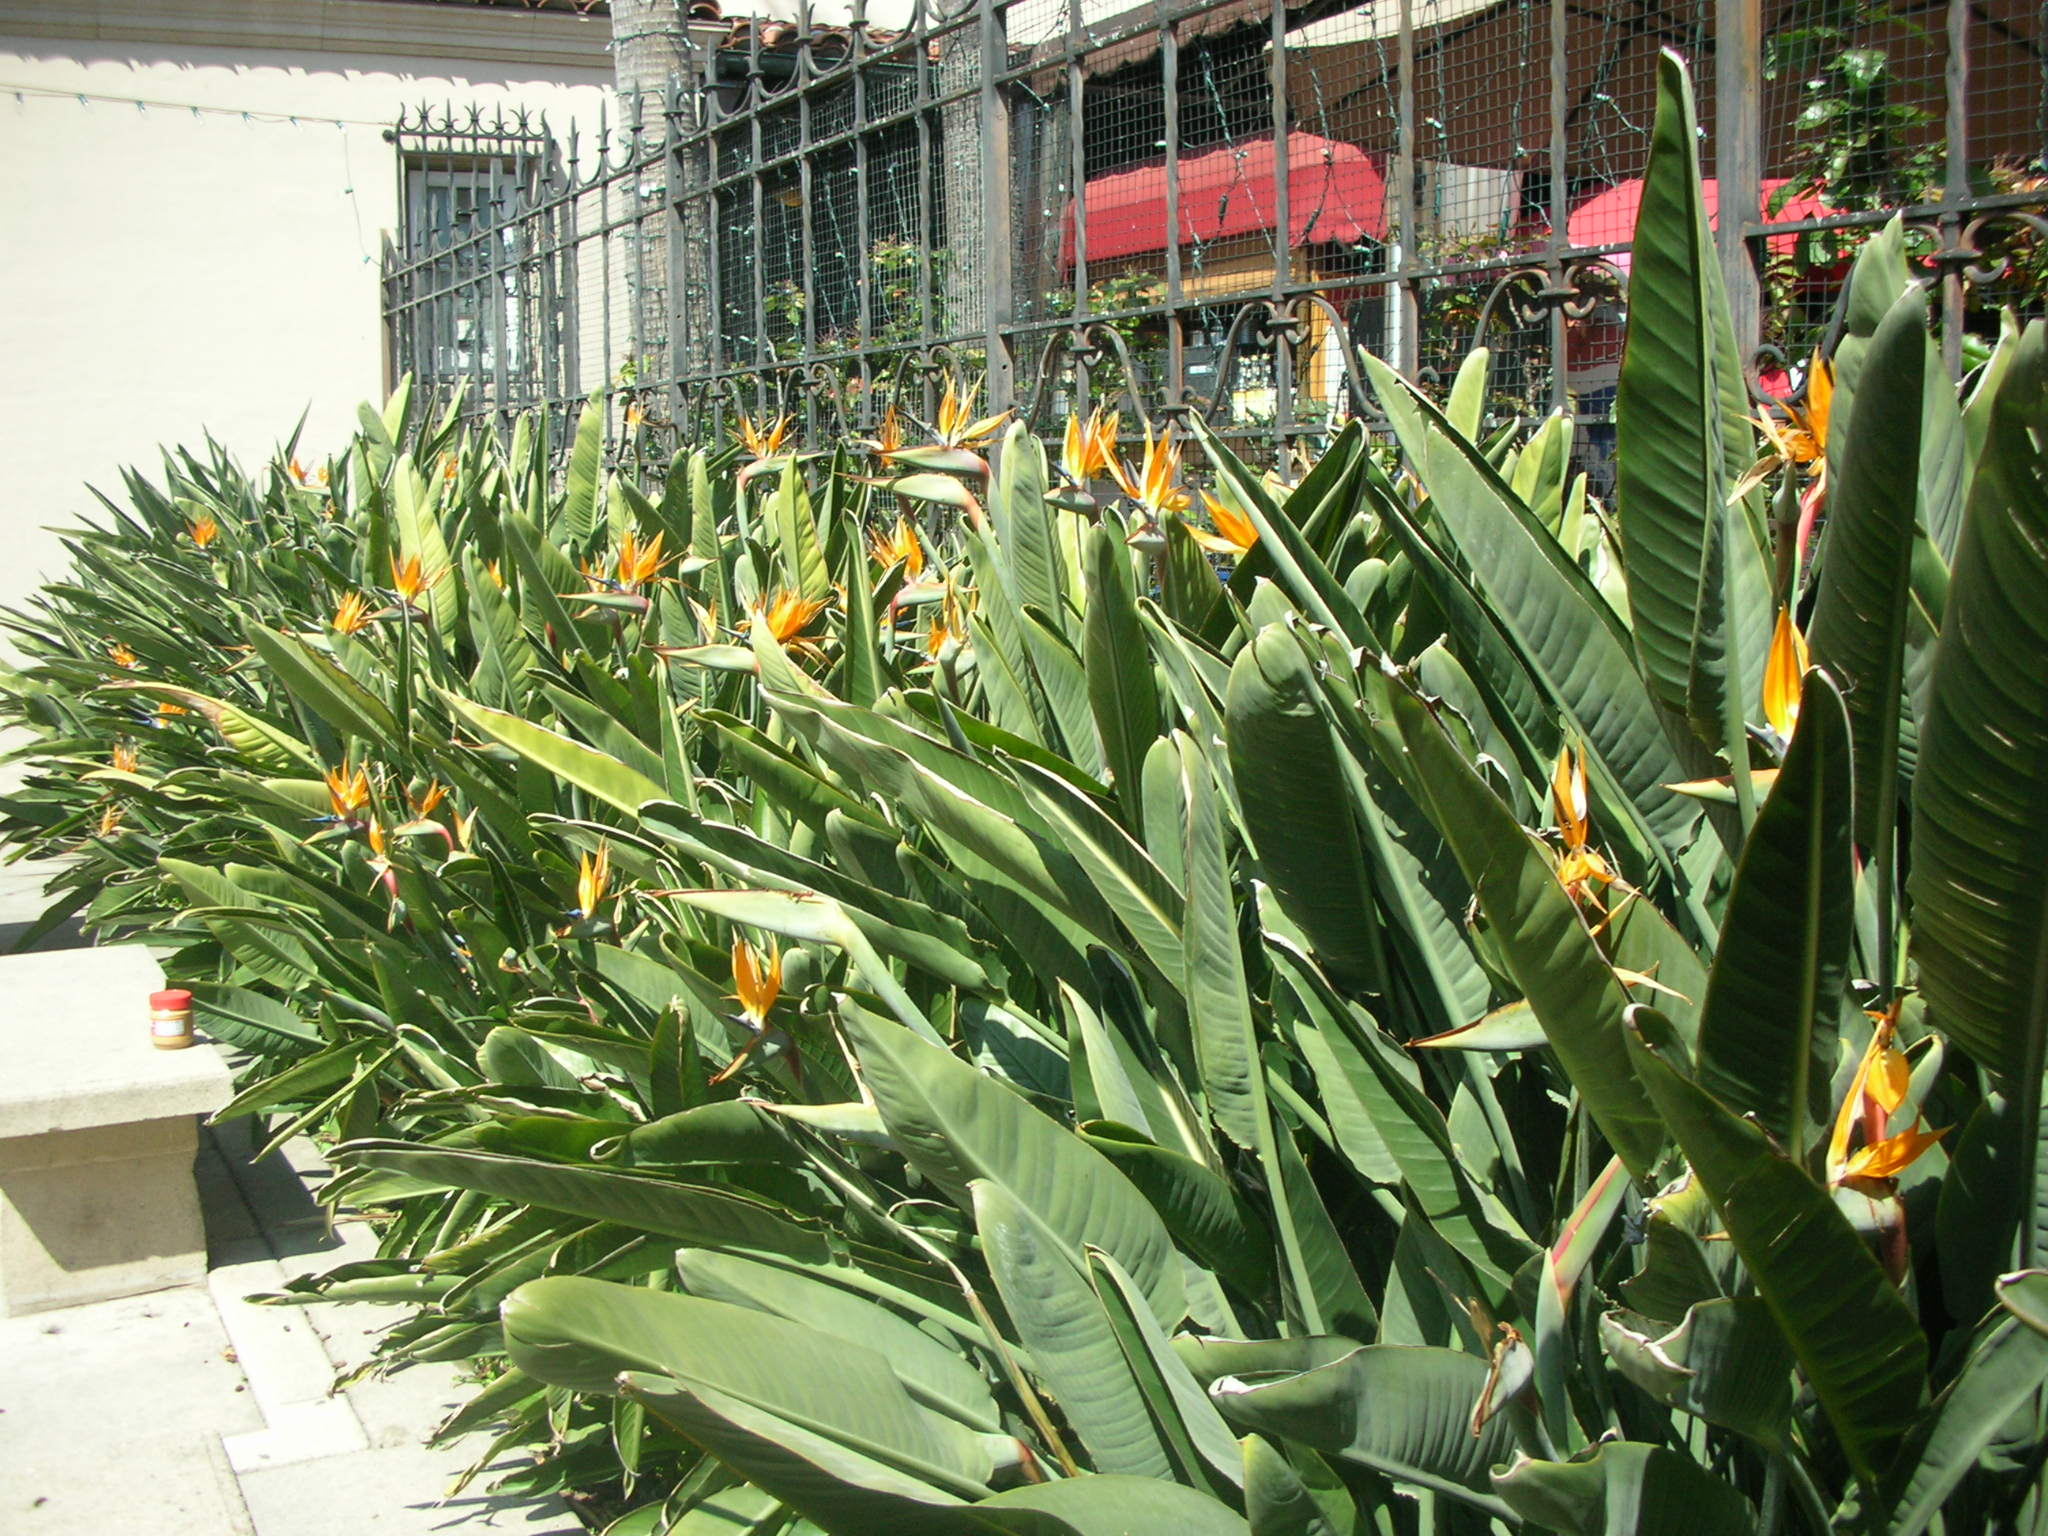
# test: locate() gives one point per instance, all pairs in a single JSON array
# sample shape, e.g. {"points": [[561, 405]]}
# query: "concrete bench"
{"points": [[98, 1133]]}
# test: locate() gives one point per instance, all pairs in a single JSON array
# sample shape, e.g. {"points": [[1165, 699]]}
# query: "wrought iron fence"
{"points": [[1204, 205]]}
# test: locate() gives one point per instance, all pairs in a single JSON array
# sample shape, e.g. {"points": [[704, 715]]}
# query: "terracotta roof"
{"points": [[561, 7], [829, 44]]}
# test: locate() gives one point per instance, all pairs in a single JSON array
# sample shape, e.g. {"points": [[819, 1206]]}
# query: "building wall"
{"points": [[167, 272]]}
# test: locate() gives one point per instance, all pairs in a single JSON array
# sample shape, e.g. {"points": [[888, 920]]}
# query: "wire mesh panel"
{"points": [[528, 272], [1166, 207]]}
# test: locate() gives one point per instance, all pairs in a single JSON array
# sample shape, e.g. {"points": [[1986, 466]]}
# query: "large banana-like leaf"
{"points": [[829, 1477], [1205, 1453], [2001, 1377], [1699, 584], [1305, 835], [577, 517], [1324, 1291], [1767, 1030], [932, 1372], [982, 816], [1575, 644], [1121, 694], [1106, 1505], [1551, 954], [1203, 1210], [597, 772], [316, 682], [957, 1125], [1860, 615], [1024, 526], [415, 518], [690, 1213], [1727, 1361], [1278, 1499], [1296, 568], [1402, 1411], [896, 926], [796, 537], [1625, 1489], [1853, 1333], [1980, 798], [584, 1334], [1368, 1088], [1072, 1342], [1219, 1000]]}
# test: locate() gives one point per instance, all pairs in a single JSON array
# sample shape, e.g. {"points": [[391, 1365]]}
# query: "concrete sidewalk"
{"points": [[190, 1412]]}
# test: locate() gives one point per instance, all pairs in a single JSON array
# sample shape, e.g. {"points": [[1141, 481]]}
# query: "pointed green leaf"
{"points": [[957, 1125], [1767, 1030], [1980, 824], [1857, 1340]]}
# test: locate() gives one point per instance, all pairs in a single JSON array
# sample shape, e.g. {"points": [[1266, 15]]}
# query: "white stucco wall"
{"points": [[166, 273]]}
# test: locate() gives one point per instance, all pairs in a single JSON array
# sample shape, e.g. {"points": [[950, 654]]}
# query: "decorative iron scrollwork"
{"points": [[1574, 286]]}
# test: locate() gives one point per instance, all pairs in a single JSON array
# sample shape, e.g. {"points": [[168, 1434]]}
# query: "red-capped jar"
{"points": [[170, 1019]]}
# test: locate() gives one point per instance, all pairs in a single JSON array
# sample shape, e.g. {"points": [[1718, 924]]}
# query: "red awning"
{"points": [[1335, 195], [1609, 217]]}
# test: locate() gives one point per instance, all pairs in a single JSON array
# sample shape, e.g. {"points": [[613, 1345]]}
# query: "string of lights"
{"points": [[251, 115], [22, 93]]}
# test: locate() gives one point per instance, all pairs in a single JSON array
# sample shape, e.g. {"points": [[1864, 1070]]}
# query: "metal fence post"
{"points": [[1738, 159], [998, 248], [1407, 312]]}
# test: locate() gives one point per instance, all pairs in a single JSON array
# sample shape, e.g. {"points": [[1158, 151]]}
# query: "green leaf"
{"points": [[1107, 1505], [598, 773], [1202, 1209], [418, 527], [1281, 547], [1980, 796], [1277, 1499], [981, 814], [956, 1126], [1326, 1291], [1305, 834], [256, 741], [1203, 1451], [1121, 694], [796, 536], [305, 1080], [504, 654], [1855, 1337], [1403, 1411], [813, 919], [2002, 1376], [250, 1021], [1860, 615], [1698, 582], [577, 518], [1122, 872], [838, 1484], [1024, 528], [1072, 1345], [1218, 998], [1767, 1029], [1625, 1489], [907, 930], [1726, 1361], [1465, 405], [316, 682], [707, 1217], [1369, 1089], [1541, 936], [1063, 683], [859, 679], [1574, 644], [931, 1371]]}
